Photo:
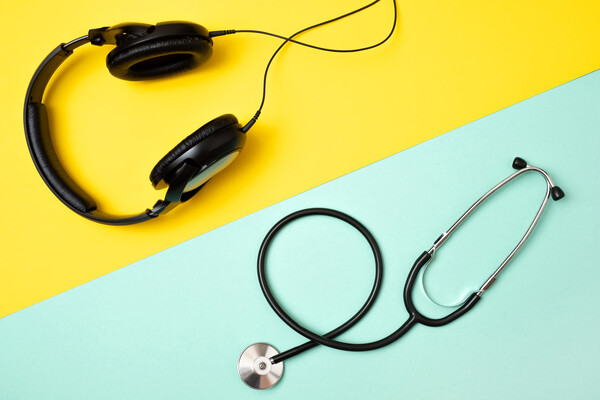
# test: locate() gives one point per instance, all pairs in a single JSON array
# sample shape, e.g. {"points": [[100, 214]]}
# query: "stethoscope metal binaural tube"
{"points": [[521, 166], [252, 371]]}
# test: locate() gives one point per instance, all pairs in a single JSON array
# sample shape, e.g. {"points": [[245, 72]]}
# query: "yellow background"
{"points": [[450, 62]]}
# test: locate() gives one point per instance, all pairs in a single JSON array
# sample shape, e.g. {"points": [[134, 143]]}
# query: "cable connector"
{"points": [[247, 127], [221, 33]]}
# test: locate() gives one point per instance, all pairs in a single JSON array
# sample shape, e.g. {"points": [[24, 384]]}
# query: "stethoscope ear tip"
{"points": [[557, 193], [519, 163]]}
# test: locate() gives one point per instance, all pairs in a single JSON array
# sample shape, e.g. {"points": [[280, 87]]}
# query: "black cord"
{"points": [[322, 339], [414, 316], [290, 39]]}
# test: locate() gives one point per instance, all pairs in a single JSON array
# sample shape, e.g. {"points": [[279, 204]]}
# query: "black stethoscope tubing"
{"points": [[327, 340], [262, 255]]}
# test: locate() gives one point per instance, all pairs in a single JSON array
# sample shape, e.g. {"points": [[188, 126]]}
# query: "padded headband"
{"points": [[42, 151]]}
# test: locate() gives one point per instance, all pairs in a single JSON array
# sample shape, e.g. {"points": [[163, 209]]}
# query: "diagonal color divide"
{"points": [[173, 325]]}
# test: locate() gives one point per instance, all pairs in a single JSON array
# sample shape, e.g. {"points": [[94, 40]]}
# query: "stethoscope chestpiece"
{"points": [[256, 367]]}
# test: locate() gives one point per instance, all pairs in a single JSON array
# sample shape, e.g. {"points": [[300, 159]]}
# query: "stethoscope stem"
{"points": [[397, 334], [293, 352]]}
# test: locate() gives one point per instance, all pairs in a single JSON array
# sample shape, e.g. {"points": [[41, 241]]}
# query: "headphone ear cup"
{"points": [[212, 142], [161, 52]]}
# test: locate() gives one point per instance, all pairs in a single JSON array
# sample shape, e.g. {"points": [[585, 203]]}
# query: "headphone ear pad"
{"points": [[164, 166], [158, 57]]}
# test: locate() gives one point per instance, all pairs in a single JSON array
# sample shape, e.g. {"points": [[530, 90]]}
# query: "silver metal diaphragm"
{"points": [[255, 366]]}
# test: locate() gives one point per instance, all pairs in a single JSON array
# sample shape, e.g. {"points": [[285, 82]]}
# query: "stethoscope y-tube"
{"points": [[260, 366]]}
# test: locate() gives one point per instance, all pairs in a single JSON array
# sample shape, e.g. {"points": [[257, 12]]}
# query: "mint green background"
{"points": [[173, 325]]}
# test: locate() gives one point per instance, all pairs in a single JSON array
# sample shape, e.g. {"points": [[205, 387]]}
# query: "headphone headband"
{"points": [[42, 75], [39, 141]]}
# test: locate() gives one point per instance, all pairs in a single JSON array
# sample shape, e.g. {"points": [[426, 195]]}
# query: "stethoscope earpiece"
{"points": [[519, 163], [557, 193]]}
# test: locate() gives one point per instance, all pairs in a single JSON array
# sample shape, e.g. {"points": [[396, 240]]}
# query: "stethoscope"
{"points": [[261, 366]]}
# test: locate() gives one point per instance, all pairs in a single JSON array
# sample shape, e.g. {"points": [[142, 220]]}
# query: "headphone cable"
{"points": [[247, 127]]}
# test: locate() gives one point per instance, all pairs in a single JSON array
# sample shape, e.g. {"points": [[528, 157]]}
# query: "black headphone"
{"points": [[142, 52], [145, 51]]}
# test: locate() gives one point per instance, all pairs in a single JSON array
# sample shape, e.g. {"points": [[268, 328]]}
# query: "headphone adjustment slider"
{"points": [[160, 207], [96, 36]]}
